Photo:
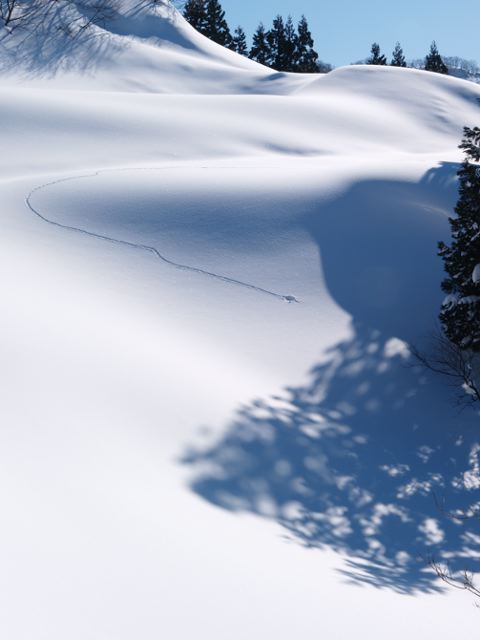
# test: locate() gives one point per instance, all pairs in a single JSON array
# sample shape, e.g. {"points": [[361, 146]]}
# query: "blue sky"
{"points": [[345, 29]]}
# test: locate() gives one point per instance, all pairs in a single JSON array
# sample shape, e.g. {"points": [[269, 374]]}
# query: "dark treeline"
{"points": [[283, 47], [433, 60]]}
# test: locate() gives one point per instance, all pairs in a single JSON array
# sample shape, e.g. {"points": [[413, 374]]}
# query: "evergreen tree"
{"points": [[434, 62], [217, 28], [240, 42], [307, 56], [290, 46], [260, 51], [375, 56], [460, 313], [398, 59], [195, 12], [285, 48], [276, 45]]}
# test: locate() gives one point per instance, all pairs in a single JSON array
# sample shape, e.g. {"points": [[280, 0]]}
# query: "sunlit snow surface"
{"points": [[184, 454]]}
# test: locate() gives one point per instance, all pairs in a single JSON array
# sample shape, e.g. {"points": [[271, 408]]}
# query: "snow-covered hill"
{"points": [[137, 47], [209, 276]]}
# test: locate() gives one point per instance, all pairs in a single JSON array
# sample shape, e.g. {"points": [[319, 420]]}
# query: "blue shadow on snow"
{"points": [[370, 454]]}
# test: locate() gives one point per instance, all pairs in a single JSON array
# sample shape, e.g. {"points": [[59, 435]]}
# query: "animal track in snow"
{"points": [[143, 247]]}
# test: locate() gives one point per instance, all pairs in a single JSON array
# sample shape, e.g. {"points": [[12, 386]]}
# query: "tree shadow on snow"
{"points": [[65, 37], [81, 37], [370, 454]]}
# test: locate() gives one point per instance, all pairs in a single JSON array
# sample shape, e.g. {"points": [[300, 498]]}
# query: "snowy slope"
{"points": [[139, 48], [185, 450]]}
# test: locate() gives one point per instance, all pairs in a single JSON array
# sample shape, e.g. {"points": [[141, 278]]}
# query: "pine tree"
{"points": [[240, 42], [276, 45], [434, 62], [217, 28], [290, 46], [260, 51], [376, 57], [195, 12], [307, 56], [398, 59], [460, 313]]}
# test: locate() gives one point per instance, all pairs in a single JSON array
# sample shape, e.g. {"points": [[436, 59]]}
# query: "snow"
{"points": [[450, 301], [476, 274], [183, 454]]}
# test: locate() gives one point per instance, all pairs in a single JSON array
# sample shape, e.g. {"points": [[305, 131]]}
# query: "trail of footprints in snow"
{"points": [[142, 247]]}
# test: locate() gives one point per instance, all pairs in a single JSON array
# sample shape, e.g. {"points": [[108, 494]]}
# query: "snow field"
{"points": [[134, 502]]}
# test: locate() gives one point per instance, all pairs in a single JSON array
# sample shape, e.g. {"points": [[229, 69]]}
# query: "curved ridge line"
{"points": [[134, 245]]}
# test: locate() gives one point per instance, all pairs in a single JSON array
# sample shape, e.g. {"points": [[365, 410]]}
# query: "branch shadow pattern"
{"points": [[360, 460], [368, 456], [81, 35], [63, 37]]}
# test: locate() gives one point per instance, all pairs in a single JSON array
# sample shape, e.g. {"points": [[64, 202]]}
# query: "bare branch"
{"points": [[463, 581], [461, 367]]}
